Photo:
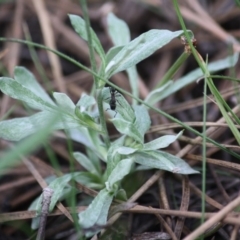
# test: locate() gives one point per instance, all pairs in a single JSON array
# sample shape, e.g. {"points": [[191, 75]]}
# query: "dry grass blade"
{"points": [[166, 226], [6, 217], [218, 217], [12, 56], [231, 219], [164, 203], [221, 163], [48, 36], [184, 206]]}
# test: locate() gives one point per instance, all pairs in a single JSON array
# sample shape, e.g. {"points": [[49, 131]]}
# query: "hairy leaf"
{"points": [[163, 160], [161, 142], [97, 211], [79, 26], [139, 49]]}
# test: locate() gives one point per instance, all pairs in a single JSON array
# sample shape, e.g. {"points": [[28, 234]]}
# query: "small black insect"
{"points": [[113, 101]]}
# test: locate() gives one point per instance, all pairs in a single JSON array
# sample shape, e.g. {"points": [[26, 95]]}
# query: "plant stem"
{"points": [[102, 118], [46, 199], [89, 41], [173, 69], [219, 99], [121, 90], [95, 77], [204, 151]]}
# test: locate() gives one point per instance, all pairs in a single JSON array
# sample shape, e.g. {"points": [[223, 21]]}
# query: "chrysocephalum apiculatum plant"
{"points": [[85, 124]]}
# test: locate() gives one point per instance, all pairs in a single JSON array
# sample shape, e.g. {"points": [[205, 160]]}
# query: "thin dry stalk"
{"points": [[46, 200], [184, 206], [50, 42], [218, 217]]}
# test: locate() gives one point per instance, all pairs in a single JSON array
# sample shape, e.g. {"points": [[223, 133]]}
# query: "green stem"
{"points": [[89, 41], [95, 77], [123, 92], [173, 69], [37, 62], [102, 118], [204, 150], [220, 101], [72, 199], [64, 56]]}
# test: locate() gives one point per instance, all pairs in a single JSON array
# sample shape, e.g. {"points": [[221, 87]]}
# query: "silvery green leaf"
{"points": [[112, 52], [142, 122], [133, 80], [85, 162], [122, 195], [163, 160], [139, 49], [19, 128], [90, 139], [36, 203], [161, 142], [15, 90], [113, 158], [196, 74], [36, 206], [79, 26], [120, 35], [119, 172], [90, 180], [95, 160], [87, 120], [64, 102], [142, 168], [128, 129], [97, 211], [27, 80], [126, 150], [156, 95], [119, 62], [101, 73], [86, 101], [25, 147], [118, 30], [102, 220], [58, 185], [122, 106]]}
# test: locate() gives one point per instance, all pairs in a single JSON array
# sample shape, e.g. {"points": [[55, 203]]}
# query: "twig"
{"points": [[218, 217], [46, 199]]}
